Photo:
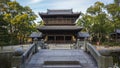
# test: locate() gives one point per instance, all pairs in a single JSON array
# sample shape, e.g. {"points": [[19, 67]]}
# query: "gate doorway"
{"points": [[60, 39]]}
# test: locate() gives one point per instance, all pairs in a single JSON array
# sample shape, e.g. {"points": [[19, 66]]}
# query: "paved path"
{"points": [[38, 59], [60, 46]]}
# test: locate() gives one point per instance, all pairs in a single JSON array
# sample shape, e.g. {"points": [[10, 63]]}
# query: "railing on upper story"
{"points": [[102, 61]]}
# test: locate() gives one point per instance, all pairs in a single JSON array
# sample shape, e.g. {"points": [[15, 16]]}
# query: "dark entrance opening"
{"points": [[51, 38], [68, 39], [59, 39]]}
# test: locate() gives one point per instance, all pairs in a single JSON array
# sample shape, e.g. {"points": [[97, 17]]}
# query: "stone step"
{"points": [[62, 66], [61, 63]]}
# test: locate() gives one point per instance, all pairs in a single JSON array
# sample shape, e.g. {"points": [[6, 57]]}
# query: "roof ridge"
{"points": [[59, 9]]}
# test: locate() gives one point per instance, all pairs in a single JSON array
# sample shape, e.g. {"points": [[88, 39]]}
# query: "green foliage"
{"points": [[3, 32], [41, 23], [114, 11], [95, 21], [96, 8], [4, 36], [17, 22], [101, 20]]}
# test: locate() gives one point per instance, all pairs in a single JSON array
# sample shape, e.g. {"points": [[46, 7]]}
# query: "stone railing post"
{"points": [[36, 44], [78, 43], [85, 45], [17, 57]]}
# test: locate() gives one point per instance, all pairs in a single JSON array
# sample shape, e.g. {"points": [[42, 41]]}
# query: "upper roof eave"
{"points": [[46, 14]]}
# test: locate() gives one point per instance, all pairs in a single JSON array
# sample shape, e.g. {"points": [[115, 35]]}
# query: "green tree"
{"points": [[41, 23], [114, 14], [114, 11], [96, 22], [4, 35], [86, 22], [19, 19]]}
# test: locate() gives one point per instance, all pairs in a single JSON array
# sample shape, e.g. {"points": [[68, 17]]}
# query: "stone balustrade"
{"points": [[102, 61]]}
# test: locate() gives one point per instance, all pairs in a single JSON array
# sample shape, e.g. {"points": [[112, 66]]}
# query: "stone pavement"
{"points": [[60, 46], [85, 60]]}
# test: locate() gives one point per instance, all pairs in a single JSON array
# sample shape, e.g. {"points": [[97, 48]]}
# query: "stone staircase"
{"points": [[61, 64], [61, 58]]}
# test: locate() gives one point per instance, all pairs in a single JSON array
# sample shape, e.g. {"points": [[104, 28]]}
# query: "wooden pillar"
{"points": [[64, 39], [55, 39]]}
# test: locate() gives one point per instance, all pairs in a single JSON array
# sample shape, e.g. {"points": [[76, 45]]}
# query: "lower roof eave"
{"points": [[64, 28]]}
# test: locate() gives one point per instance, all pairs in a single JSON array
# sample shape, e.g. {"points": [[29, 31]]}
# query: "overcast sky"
{"points": [[76, 5]]}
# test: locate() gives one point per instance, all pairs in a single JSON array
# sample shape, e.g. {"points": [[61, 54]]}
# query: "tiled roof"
{"points": [[117, 30], [59, 27], [36, 34], [83, 34], [69, 11], [60, 12]]}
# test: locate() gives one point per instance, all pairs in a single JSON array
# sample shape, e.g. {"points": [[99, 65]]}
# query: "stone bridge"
{"points": [[84, 59], [79, 55]]}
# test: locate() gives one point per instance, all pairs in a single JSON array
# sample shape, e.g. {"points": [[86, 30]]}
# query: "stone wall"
{"points": [[102, 61], [5, 59]]}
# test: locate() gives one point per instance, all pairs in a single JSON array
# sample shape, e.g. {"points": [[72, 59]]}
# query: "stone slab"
{"points": [[85, 60]]}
